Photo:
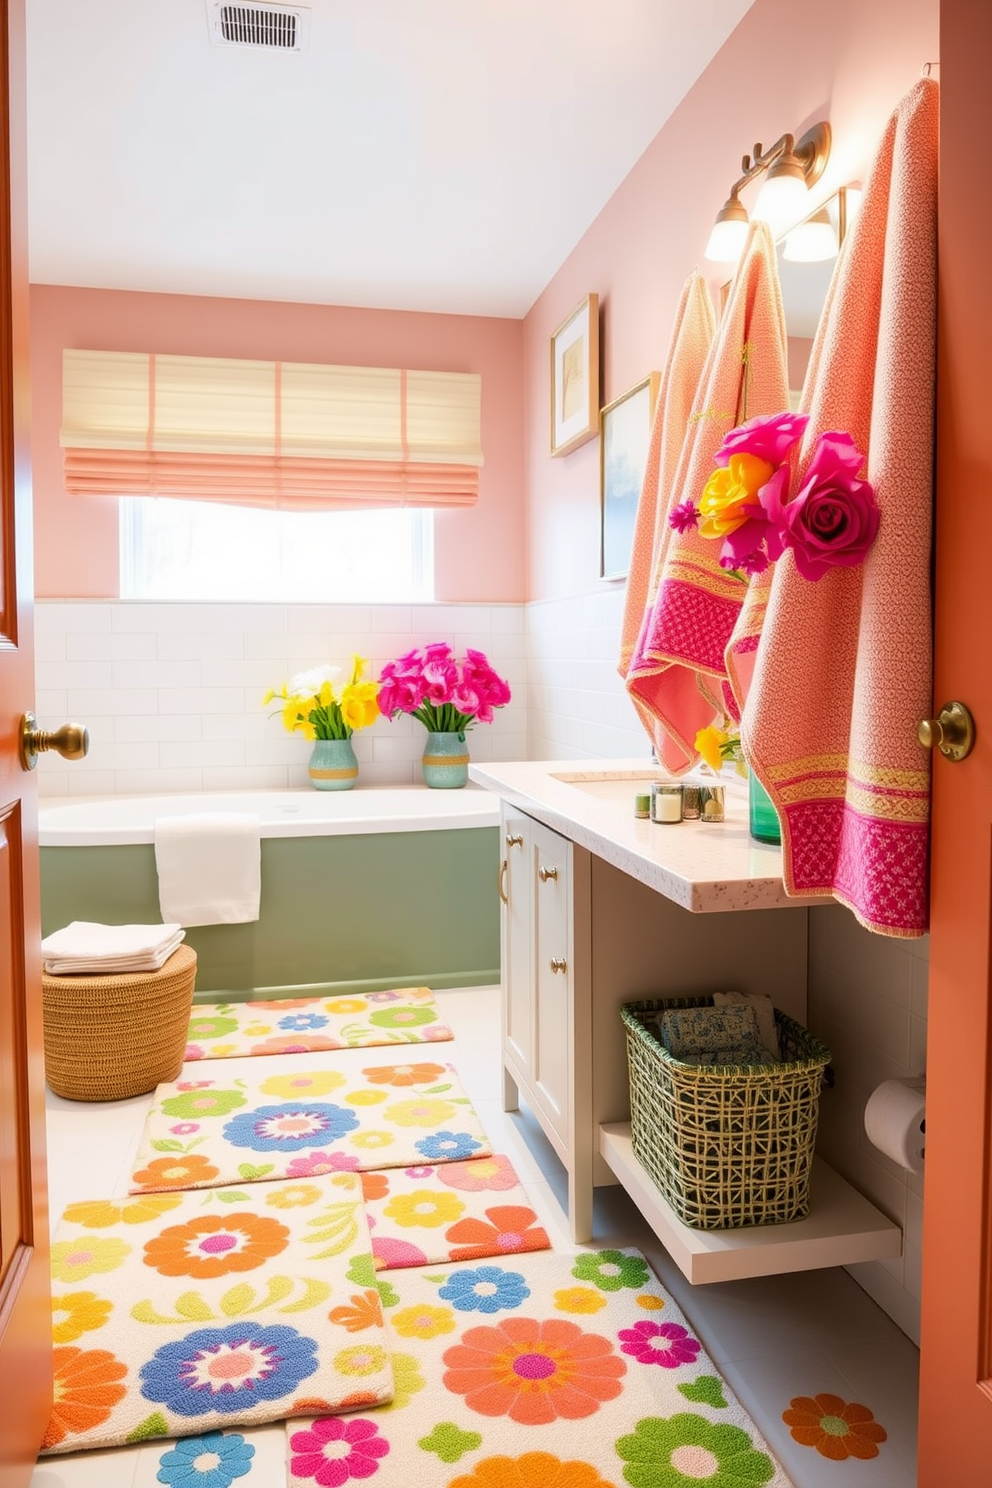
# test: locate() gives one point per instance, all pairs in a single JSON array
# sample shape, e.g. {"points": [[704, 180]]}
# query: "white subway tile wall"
{"points": [[172, 697], [172, 693]]}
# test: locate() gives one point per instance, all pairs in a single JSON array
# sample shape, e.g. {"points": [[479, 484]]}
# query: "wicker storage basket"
{"points": [[109, 1037], [727, 1145]]}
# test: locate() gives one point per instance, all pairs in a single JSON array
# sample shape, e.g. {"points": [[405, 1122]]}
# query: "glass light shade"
{"points": [[726, 241], [782, 201], [812, 241]]}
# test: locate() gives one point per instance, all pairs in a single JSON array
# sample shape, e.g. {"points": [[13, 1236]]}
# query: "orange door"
{"points": [[956, 1359], [25, 1312]]}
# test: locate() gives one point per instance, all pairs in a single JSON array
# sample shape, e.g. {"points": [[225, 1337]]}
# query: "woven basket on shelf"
{"points": [[110, 1037], [727, 1145]]}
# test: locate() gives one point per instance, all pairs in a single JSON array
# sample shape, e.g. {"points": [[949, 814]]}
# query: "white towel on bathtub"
{"points": [[85, 946], [209, 867]]}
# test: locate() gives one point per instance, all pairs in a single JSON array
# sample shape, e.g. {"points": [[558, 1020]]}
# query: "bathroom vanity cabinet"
{"points": [[599, 909]]}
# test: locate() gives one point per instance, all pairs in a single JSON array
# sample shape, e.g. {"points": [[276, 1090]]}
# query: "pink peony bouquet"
{"points": [[830, 522], [446, 695]]}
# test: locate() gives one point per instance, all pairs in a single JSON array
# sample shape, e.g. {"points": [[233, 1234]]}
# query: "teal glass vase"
{"points": [[445, 761], [333, 765], [762, 816]]}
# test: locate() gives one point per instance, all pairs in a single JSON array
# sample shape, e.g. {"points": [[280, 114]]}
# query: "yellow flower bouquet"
{"points": [[315, 705]]}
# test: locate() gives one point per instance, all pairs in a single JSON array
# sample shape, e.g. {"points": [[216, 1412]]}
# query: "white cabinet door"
{"points": [[516, 952], [552, 973]]}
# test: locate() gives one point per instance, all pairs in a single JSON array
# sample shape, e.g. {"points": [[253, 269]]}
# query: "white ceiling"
{"points": [[440, 155]]}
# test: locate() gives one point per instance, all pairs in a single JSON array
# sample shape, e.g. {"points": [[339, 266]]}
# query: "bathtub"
{"points": [[361, 890]]}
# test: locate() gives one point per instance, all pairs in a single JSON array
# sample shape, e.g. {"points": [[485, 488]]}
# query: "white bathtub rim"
{"points": [[116, 821]]}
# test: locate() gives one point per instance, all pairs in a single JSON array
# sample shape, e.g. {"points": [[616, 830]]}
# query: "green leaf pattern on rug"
{"points": [[238, 1301], [668, 1453], [450, 1442], [336, 1228], [388, 1295], [249, 1172], [706, 1390], [361, 1270], [227, 1196], [153, 1425], [169, 1144]]}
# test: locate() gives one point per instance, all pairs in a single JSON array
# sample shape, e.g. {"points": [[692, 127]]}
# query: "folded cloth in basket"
{"points": [[85, 946], [209, 867], [763, 1011], [711, 1035]]}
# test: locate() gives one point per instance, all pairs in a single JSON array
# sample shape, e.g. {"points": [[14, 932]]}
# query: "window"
{"points": [[195, 550]]}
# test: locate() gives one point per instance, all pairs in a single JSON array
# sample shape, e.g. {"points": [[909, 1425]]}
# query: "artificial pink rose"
{"points": [[768, 439], [834, 519]]}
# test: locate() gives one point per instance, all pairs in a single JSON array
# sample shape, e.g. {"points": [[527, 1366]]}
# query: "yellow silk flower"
{"points": [[729, 494]]}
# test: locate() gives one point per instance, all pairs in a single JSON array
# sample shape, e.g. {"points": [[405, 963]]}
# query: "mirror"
{"points": [[806, 257]]}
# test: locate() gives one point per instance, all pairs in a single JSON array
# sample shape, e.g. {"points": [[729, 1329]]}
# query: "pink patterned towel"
{"points": [[677, 672], [691, 338], [842, 672]]}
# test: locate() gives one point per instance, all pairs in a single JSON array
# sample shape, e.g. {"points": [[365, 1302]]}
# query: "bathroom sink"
{"points": [[619, 785]]}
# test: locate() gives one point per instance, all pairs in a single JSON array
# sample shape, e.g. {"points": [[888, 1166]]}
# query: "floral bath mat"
{"points": [[203, 1133], [180, 1313], [302, 1025], [547, 1371], [456, 1211]]}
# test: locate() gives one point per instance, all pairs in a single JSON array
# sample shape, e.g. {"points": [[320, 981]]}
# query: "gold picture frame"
{"points": [[575, 378], [625, 435]]}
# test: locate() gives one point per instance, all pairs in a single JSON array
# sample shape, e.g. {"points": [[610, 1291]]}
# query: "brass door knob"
{"points": [[71, 741], [952, 732]]}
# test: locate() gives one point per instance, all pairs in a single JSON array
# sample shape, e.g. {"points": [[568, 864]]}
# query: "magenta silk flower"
{"points": [[834, 519], [770, 438]]}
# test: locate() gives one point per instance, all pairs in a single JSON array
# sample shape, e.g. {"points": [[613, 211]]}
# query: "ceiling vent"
{"points": [[274, 28]]}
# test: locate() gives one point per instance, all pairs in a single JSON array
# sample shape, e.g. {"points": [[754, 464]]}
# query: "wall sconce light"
{"points": [[813, 240], [792, 168]]}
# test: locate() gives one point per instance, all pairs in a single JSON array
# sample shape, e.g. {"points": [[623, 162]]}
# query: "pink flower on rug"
{"points": [[436, 1033], [194, 1084], [315, 1163], [335, 1451], [834, 520], [478, 1174], [421, 1172], [667, 1344], [193, 1051], [387, 1252]]}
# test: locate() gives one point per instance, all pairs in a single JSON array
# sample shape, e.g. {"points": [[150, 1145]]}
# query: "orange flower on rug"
{"points": [[534, 1371], [836, 1429]]}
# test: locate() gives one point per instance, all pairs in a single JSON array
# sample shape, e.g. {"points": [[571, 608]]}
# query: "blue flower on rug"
{"points": [[446, 1146], [228, 1369], [486, 1289], [290, 1127], [212, 1460], [300, 1022]]}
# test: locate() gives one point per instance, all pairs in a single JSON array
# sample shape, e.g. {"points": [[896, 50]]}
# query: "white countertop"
{"points": [[703, 866]]}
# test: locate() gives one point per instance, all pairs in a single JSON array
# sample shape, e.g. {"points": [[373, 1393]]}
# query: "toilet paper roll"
{"points": [[895, 1121]]}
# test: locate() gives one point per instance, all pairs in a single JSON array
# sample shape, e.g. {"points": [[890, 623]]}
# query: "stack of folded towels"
{"points": [[738, 1029], [105, 949]]}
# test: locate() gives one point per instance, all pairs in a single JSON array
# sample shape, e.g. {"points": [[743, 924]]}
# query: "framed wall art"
{"points": [[625, 433], [575, 378]]}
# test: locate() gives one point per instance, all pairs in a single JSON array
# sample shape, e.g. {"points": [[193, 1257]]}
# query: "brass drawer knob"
{"points": [[544, 874], [558, 963], [513, 839]]}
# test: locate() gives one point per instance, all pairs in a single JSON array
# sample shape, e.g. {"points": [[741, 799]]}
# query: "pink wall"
{"points": [[785, 67], [479, 552]]}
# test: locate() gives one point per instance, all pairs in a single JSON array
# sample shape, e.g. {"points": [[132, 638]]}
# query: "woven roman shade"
{"points": [[278, 434]]}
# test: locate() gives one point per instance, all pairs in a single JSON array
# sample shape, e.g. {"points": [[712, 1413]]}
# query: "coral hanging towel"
{"points": [[842, 671], [677, 673], [692, 336]]}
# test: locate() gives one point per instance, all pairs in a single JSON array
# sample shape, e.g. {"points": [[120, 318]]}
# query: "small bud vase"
{"points": [[445, 761], [333, 765], [762, 816]]}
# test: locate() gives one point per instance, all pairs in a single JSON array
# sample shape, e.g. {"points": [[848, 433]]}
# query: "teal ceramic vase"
{"points": [[333, 765], [445, 761], [762, 816]]}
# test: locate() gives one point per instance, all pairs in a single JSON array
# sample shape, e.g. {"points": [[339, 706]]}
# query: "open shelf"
{"points": [[842, 1226]]}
